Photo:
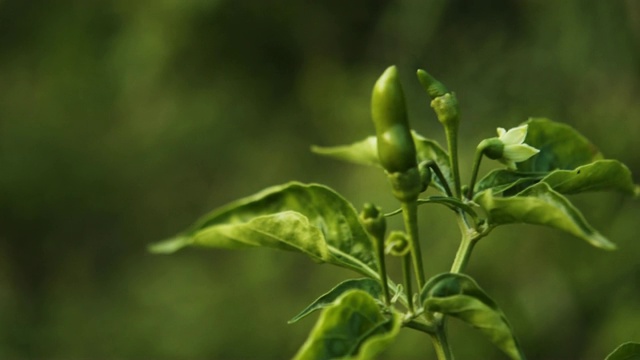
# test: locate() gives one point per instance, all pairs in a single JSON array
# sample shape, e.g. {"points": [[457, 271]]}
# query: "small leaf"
{"points": [[597, 176], [311, 219], [363, 152], [540, 205], [561, 147], [626, 351], [370, 286], [351, 328], [430, 150], [458, 295]]}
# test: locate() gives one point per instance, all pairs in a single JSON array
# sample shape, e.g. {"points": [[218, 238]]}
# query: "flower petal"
{"points": [[501, 132], [514, 136], [518, 153]]}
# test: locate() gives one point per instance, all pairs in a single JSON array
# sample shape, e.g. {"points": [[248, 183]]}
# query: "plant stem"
{"points": [[383, 271], [451, 133], [464, 253], [474, 174], [440, 342], [406, 275], [410, 216], [420, 326]]}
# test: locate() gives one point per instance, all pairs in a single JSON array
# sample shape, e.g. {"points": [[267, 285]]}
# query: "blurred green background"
{"points": [[123, 121]]}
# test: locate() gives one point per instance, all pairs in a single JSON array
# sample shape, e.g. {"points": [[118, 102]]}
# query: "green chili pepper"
{"points": [[396, 149]]}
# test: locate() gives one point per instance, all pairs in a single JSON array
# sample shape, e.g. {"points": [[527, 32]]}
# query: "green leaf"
{"points": [[561, 147], [601, 175], [352, 328], [597, 176], [311, 219], [370, 286], [430, 150], [458, 295], [503, 179], [365, 152], [626, 351], [540, 205]]}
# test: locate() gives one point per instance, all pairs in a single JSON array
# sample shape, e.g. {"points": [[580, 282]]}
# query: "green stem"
{"points": [[383, 271], [406, 275], [463, 254], [452, 141], [420, 326], [410, 216], [440, 342], [474, 174]]}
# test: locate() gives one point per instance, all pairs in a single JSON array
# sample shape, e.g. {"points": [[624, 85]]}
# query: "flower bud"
{"points": [[373, 221], [492, 148], [446, 108], [433, 87], [396, 150]]}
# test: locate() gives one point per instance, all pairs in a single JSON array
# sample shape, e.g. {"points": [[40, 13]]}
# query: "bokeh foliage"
{"points": [[121, 122]]}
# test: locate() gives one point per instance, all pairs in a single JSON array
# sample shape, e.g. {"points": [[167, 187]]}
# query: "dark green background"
{"points": [[122, 121]]}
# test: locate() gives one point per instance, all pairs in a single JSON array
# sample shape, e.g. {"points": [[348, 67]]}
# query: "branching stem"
{"points": [[440, 342]]}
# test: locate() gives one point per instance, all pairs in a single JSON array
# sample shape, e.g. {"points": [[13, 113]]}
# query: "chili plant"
{"points": [[544, 161]]}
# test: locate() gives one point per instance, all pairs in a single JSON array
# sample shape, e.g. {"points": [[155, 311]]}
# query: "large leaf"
{"points": [[352, 328], [626, 351], [597, 176], [365, 152], [460, 296], [368, 285], [561, 147], [540, 205], [600, 175], [311, 219]]}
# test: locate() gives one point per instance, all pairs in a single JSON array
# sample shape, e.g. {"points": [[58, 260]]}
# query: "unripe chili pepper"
{"points": [[396, 150]]}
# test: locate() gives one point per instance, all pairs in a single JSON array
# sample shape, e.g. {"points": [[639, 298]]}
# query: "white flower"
{"points": [[514, 148]]}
